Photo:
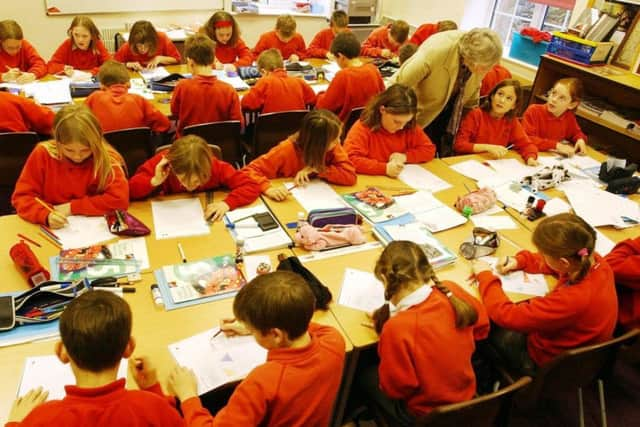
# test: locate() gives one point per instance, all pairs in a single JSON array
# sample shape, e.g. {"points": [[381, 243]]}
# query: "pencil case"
{"points": [[122, 223], [343, 216], [477, 201], [83, 89], [167, 83]]}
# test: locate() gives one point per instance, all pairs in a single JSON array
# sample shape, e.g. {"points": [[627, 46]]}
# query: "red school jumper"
{"points": [[27, 60], [296, 387], [68, 54], [624, 260], [423, 32], [321, 43], [370, 150], [546, 130], [352, 87], [478, 127], [165, 47], [58, 181], [21, 114], [278, 91], [270, 40], [497, 74], [285, 160], [117, 109], [570, 316], [243, 189], [377, 41], [413, 366], [238, 54]]}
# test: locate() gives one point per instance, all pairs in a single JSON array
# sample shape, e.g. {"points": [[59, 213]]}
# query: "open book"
{"points": [[374, 205]]}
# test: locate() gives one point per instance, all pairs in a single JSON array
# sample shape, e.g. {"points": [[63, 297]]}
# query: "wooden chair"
{"points": [[225, 135], [15, 147], [134, 144], [217, 151], [271, 128], [354, 115]]}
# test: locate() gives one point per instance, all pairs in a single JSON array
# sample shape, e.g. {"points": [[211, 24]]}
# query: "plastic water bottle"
{"points": [[240, 250]]}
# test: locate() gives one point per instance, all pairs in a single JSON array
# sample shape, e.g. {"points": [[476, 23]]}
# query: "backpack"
{"points": [[320, 291]]}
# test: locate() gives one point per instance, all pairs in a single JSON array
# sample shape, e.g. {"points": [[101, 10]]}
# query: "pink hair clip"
{"points": [[583, 252]]}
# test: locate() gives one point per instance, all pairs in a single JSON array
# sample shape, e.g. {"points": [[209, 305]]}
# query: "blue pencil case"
{"points": [[343, 216]]}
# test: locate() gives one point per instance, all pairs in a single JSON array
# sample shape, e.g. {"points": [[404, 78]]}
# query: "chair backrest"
{"points": [[271, 128], [15, 147], [224, 135], [354, 115], [217, 151], [134, 144], [482, 411]]}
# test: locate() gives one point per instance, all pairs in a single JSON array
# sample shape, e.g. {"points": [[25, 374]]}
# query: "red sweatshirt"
{"points": [[546, 130], [117, 109], [294, 388], [497, 74], [58, 181], [377, 41], [270, 40], [278, 91], [321, 43], [204, 99], [285, 160], [624, 260], [22, 114], [570, 316], [478, 127], [238, 55], [352, 87], [106, 406], [79, 59], [165, 47], [27, 59], [243, 189], [413, 366], [423, 32], [369, 150]]}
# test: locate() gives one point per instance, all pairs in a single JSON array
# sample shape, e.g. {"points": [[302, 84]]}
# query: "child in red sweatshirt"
{"points": [[553, 126], [624, 260], [581, 310], [276, 90], [147, 48], [314, 151], [385, 41], [19, 60], [355, 84], [494, 126], [116, 108], [320, 46], [83, 50], [95, 334], [284, 38], [77, 173], [21, 114], [298, 384], [387, 137], [425, 31], [189, 166], [231, 50], [203, 98]]}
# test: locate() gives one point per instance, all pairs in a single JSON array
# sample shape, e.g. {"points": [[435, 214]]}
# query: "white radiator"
{"points": [[109, 37]]}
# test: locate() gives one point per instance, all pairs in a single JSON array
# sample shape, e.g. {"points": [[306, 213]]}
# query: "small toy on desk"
{"points": [[534, 209], [483, 242], [547, 177], [328, 237], [263, 268]]}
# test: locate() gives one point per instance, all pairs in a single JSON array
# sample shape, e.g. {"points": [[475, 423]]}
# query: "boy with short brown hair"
{"points": [[321, 43], [384, 42], [284, 38]]}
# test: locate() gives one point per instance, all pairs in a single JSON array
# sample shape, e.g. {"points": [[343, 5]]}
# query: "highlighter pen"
{"points": [[184, 258]]}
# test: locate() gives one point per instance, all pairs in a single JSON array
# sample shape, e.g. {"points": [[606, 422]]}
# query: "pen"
{"points": [[50, 209], [23, 237], [55, 287], [184, 258], [509, 147], [217, 333], [506, 261], [51, 240], [49, 231], [233, 225]]}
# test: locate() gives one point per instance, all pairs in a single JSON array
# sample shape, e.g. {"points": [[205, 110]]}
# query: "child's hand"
{"points": [[135, 66], [155, 61], [277, 193], [229, 68], [218, 65], [303, 177], [232, 327], [581, 146], [183, 383], [68, 70], [532, 162], [22, 406], [64, 209], [478, 266], [507, 264], [143, 372], [386, 53], [394, 169], [161, 172], [400, 158], [565, 149], [215, 211], [26, 78], [496, 151], [11, 75], [294, 58], [56, 220]]}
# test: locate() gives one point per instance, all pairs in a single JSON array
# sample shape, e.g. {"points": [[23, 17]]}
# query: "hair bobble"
{"points": [[583, 252], [223, 24]]}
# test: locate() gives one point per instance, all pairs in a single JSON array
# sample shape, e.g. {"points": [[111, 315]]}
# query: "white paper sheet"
{"points": [[83, 231], [251, 263], [50, 92], [519, 281], [320, 88], [494, 222], [52, 375], [604, 245], [361, 290], [556, 206], [217, 361], [178, 218], [474, 170], [512, 169], [421, 179], [135, 247], [599, 207], [430, 211], [255, 239], [154, 74], [316, 195], [236, 82]]}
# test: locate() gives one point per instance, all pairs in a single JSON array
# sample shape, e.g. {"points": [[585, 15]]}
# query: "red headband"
{"points": [[223, 24]]}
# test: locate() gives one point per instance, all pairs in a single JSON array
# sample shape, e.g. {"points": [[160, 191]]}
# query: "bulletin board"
{"points": [[75, 7]]}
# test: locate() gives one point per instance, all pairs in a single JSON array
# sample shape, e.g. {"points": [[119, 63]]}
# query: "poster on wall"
{"points": [[74, 7]]}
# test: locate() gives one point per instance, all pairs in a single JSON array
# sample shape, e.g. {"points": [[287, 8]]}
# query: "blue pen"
{"points": [[56, 287], [233, 225]]}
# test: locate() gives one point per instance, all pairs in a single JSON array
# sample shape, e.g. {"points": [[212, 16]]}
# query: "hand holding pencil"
{"points": [[55, 219]]}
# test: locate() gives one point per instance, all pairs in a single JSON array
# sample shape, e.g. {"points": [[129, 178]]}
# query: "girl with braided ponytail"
{"points": [[581, 310], [427, 333]]}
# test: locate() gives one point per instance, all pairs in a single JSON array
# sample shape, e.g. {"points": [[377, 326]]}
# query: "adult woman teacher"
{"points": [[446, 73]]}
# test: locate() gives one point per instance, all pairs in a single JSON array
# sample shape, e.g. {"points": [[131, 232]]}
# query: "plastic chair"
{"points": [[217, 151], [134, 144], [15, 147], [224, 135], [272, 128], [354, 115]]}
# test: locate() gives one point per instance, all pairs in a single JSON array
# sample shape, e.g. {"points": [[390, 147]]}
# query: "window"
{"points": [[512, 15]]}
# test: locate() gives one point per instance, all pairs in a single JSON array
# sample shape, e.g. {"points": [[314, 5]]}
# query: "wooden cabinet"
{"points": [[614, 85]]}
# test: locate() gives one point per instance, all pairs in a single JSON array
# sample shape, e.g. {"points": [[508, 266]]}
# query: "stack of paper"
{"points": [[49, 93], [430, 211], [421, 179], [599, 207], [178, 218], [241, 225]]}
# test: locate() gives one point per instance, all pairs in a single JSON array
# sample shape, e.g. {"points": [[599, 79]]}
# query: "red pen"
{"points": [[540, 205]]}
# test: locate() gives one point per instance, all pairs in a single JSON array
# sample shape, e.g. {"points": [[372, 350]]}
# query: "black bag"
{"points": [[320, 291], [629, 185], [167, 83], [616, 172]]}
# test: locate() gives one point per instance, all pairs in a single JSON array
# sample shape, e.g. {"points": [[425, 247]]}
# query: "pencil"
{"points": [[50, 209], [46, 231], [23, 237], [51, 240]]}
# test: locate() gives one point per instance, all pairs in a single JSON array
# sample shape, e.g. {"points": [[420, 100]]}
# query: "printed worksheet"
{"points": [[361, 290], [178, 218]]}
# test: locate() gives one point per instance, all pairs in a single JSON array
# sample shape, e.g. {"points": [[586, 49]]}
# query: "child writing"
{"points": [[355, 84], [314, 151], [552, 126], [298, 383], [189, 165], [284, 38], [19, 60], [422, 316], [624, 260], [320, 46], [231, 51], [83, 50], [95, 334], [147, 48], [20, 114], [385, 41], [203, 98], [493, 126], [581, 310], [276, 90], [77, 172], [387, 136], [425, 31], [116, 108]]}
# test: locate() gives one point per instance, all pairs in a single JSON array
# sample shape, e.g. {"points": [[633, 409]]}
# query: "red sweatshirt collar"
{"points": [[107, 392], [293, 354], [118, 89]]}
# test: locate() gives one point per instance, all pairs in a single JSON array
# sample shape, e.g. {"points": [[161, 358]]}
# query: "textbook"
{"points": [[374, 205], [257, 227]]}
